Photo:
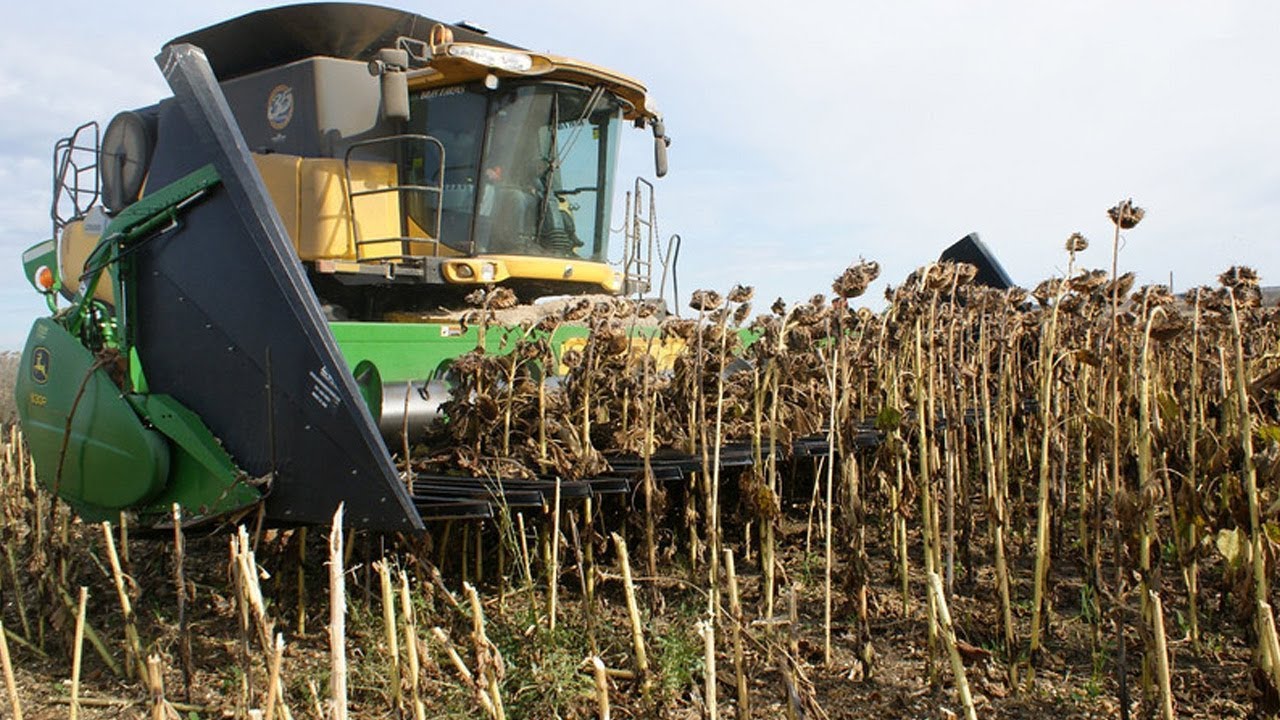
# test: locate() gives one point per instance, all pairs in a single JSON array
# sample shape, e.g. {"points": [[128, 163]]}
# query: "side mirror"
{"points": [[395, 95], [660, 143], [389, 67]]}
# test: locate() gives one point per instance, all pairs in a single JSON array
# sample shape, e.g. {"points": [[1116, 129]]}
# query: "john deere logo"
{"points": [[280, 106], [40, 365]]}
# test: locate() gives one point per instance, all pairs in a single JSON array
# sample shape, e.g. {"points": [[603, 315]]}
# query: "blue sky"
{"points": [[809, 134]]}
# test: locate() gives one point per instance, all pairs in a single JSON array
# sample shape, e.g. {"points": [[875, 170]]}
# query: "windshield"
{"points": [[528, 169]]}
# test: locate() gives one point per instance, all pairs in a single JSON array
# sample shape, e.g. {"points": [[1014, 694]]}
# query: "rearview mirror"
{"points": [[389, 67], [660, 143]]}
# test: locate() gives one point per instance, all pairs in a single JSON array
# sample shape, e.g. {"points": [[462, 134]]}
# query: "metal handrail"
{"points": [[639, 246], [670, 259], [68, 176], [352, 195]]}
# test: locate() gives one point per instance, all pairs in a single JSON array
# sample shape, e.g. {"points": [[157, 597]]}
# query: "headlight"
{"points": [[464, 271], [492, 57]]}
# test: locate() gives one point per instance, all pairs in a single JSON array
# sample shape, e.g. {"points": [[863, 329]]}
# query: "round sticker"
{"points": [[280, 106]]}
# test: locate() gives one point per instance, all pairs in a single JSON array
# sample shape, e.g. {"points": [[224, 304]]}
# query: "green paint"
{"points": [[111, 461], [203, 480]]}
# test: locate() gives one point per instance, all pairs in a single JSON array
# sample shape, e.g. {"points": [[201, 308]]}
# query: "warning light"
{"points": [[43, 279]]}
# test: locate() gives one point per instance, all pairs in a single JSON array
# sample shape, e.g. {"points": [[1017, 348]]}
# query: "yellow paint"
{"points": [[74, 247], [38, 400], [664, 350], [534, 267], [445, 71], [310, 194]]}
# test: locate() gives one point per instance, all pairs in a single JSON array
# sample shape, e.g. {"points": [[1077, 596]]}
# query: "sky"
{"points": [[807, 135]]}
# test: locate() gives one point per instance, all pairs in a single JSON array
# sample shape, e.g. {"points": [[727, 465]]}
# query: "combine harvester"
{"points": [[252, 264]]}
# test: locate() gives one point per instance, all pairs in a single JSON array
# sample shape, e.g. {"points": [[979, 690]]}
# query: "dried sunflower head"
{"points": [[741, 293], [602, 309], [501, 298], [779, 307], [705, 300], [577, 310], [965, 273], [1077, 243], [1239, 276], [548, 324], [741, 314], [679, 328], [1126, 215], [853, 282], [1121, 286], [1087, 281], [475, 298], [1047, 291]]}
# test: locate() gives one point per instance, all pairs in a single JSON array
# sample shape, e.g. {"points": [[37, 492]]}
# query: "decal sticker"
{"points": [[324, 390], [280, 107], [40, 365]]}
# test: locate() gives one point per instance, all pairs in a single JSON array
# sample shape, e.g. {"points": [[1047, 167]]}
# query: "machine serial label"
{"points": [[40, 365], [450, 331], [324, 390]]}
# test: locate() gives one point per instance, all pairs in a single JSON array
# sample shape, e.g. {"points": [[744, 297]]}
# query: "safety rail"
{"points": [[640, 239], [670, 261], [426, 190], [76, 181]]}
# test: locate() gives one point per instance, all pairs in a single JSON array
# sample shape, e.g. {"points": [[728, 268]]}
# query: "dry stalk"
{"points": [[1269, 640], [10, 683], [273, 681], [1162, 655], [337, 620], [602, 687], [553, 569], [707, 630], [301, 580], [77, 649], [133, 645], [633, 612], [735, 611], [160, 708], [488, 659], [92, 636], [180, 586], [463, 671], [411, 647], [392, 635], [1048, 357], [828, 556], [949, 637]]}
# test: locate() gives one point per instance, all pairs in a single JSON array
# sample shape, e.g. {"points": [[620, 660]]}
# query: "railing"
{"points": [[75, 176], [640, 239], [398, 188]]}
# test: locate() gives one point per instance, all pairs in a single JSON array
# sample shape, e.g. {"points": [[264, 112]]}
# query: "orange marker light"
{"points": [[43, 279]]}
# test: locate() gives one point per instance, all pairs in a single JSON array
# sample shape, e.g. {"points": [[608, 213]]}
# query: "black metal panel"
{"points": [[970, 249], [269, 38], [227, 323]]}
